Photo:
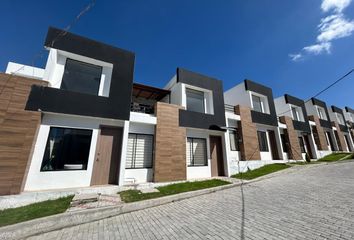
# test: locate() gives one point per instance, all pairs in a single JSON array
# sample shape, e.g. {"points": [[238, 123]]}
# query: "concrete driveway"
{"points": [[311, 202]]}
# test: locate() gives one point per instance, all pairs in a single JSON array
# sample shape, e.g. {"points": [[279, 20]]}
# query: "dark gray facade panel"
{"points": [[263, 118], [325, 124], [116, 106], [202, 120], [350, 110]]}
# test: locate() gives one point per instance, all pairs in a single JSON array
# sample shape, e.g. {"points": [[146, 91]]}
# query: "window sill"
{"points": [[197, 165], [138, 168]]}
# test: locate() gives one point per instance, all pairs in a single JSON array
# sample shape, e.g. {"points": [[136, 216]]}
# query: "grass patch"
{"points": [[336, 157], [35, 210], [267, 169], [136, 195]]}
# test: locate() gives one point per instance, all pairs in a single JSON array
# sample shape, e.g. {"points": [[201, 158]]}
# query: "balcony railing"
{"points": [[229, 108], [141, 108]]}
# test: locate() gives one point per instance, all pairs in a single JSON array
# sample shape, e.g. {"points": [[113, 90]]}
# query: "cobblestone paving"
{"points": [[316, 202]]}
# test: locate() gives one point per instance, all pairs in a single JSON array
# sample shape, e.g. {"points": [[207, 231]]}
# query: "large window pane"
{"points": [[263, 142], [321, 113], [67, 149], [284, 142], [139, 151], [257, 103], [195, 101], [81, 77], [234, 140], [340, 119], [302, 145], [295, 114], [196, 152]]}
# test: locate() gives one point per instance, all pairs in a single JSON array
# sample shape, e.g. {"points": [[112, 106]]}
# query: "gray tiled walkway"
{"points": [[312, 203]]}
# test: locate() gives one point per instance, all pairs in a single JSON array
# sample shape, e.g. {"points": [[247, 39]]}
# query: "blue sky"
{"points": [[276, 43]]}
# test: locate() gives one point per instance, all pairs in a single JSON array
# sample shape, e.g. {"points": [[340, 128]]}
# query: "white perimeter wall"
{"points": [[37, 180]]}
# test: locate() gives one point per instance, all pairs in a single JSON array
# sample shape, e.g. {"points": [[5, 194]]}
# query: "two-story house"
{"points": [[349, 118], [321, 127], [255, 125], [340, 129], [295, 129], [85, 112]]}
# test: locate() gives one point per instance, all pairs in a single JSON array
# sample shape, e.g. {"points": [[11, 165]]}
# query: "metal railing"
{"points": [[141, 108], [229, 108]]}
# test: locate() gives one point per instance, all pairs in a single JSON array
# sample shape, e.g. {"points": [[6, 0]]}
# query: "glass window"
{"points": [[284, 142], [295, 114], [196, 152], [67, 149], [234, 140], [321, 113], [340, 119], [302, 145], [81, 77], [263, 142], [257, 103], [195, 101], [139, 151]]}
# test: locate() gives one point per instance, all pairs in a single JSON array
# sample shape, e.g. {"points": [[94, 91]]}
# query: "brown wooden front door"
{"points": [[273, 145], [217, 160], [107, 161]]}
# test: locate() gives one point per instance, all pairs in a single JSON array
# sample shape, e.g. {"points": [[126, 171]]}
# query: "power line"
{"points": [[322, 91], [63, 33]]}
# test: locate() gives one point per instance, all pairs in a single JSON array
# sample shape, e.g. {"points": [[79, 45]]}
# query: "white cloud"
{"points": [[336, 5], [318, 48], [331, 27], [296, 57], [334, 27]]}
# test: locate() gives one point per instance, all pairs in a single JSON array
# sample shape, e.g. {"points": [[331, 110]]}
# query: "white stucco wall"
{"points": [[281, 107], [311, 109], [37, 180], [238, 95]]}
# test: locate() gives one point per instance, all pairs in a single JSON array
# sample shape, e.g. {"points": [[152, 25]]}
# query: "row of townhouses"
{"points": [[83, 121]]}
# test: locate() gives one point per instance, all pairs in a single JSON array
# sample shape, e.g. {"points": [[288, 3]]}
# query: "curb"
{"points": [[69, 219]]}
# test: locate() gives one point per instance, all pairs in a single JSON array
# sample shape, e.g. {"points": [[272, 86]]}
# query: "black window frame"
{"points": [[195, 91], [192, 154], [84, 63], [48, 142], [152, 152], [262, 141], [234, 133]]}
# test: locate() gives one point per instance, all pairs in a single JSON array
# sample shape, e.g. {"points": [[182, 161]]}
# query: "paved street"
{"points": [[316, 202]]}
